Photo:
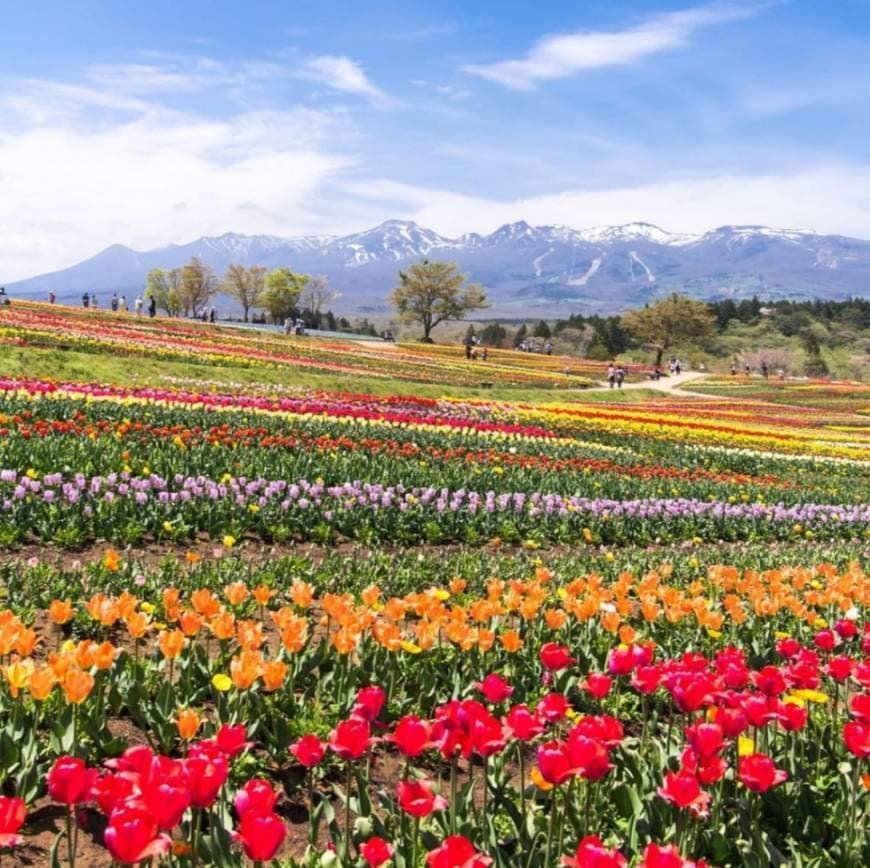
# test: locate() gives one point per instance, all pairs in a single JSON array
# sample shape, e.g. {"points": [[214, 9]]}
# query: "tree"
{"points": [[493, 335], [520, 336], [197, 286], [434, 292], [317, 294], [162, 286], [541, 330], [283, 288], [668, 321], [578, 339], [245, 285]]}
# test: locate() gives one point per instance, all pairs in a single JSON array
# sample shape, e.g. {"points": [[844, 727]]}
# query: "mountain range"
{"points": [[528, 270]]}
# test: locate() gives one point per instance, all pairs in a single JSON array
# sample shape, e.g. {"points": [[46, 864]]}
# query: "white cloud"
{"points": [[343, 74], [564, 54], [832, 199]]}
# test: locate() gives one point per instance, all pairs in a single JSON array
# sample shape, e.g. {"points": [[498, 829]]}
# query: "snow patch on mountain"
{"points": [[588, 275], [634, 258]]}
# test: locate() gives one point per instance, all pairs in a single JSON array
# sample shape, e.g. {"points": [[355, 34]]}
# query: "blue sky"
{"points": [[155, 123]]}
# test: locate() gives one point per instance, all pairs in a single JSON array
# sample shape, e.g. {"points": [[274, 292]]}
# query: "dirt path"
{"points": [[670, 385]]}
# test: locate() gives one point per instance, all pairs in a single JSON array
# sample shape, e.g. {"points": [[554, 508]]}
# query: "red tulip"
{"points": [[411, 735], [683, 790], [621, 660], [758, 773], [12, 814], [656, 856], [351, 738], [705, 738], [859, 707], [168, 799], [588, 756], [826, 640], [205, 777], [555, 657], [70, 780], [792, 717], [554, 763], [417, 798], [845, 628], [232, 739], [457, 852], [591, 853], [309, 750], [758, 709], [131, 835], [495, 689], [690, 691], [733, 721], [769, 681], [597, 684], [601, 727], [552, 707], [523, 724], [376, 852], [708, 770], [856, 735], [646, 679], [369, 702], [110, 791], [787, 647], [261, 835], [256, 796]]}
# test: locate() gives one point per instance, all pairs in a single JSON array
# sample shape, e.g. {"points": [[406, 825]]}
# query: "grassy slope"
{"points": [[34, 363]]}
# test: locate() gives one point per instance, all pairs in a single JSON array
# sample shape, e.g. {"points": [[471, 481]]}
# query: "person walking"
{"points": [[678, 366], [733, 368], [51, 297], [122, 304], [137, 306], [764, 370], [94, 304], [212, 314], [620, 376], [114, 303], [485, 354], [86, 300], [611, 374], [548, 348], [152, 307]]}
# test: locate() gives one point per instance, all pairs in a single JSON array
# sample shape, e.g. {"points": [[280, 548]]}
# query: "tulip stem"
{"points": [[485, 794], [552, 827], [346, 842], [414, 842], [454, 763], [194, 837], [70, 844], [522, 761]]}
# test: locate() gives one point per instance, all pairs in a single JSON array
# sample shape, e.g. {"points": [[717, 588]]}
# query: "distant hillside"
{"points": [[529, 270]]}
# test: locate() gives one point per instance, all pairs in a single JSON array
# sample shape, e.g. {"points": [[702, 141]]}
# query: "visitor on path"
{"points": [[152, 307], [620, 376], [212, 314], [548, 348], [138, 306], [51, 297], [122, 304], [94, 304], [86, 300], [4, 299], [288, 326], [611, 374], [764, 370], [733, 368], [485, 354], [678, 366], [658, 373], [114, 303], [468, 351], [747, 370]]}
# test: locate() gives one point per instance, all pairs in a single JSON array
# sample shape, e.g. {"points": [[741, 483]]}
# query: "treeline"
{"points": [[278, 293]]}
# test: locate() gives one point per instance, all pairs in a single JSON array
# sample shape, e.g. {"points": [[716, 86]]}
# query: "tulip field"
{"points": [[261, 625]]}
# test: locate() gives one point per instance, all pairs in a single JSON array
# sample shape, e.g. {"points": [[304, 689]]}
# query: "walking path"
{"points": [[670, 385]]}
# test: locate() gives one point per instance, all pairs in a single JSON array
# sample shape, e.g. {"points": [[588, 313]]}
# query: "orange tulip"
{"points": [[555, 618], [138, 624], [245, 669], [172, 604], [112, 560], [294, 636], [187, 721], [204, 602], [236, 593], [41, 683], [262, 594], [104, 655], [274, 673], [77, 685], [249, 634], [190, 623], [60, 611], [510, 641], [192, 557], [223, 625], [26, 641], [171, 643], [302, 594]]}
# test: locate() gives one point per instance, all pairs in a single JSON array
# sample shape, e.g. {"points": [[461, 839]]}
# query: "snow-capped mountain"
{"points": [[528, 270]]}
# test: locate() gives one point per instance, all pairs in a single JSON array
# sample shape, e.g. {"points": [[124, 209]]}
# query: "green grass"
{"points": [[74, 366]]}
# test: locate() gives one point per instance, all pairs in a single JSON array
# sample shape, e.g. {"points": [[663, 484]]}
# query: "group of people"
{"points": [[4, 299], [530, 345], [764, 370], [472, 345], [675, 366], [118, 304], [616, 375], [294, 326]]}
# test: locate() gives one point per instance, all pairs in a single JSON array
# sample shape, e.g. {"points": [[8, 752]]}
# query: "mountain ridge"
{"points": [[528, 270]]}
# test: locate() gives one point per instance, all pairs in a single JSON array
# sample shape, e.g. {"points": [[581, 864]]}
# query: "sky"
{"points": [[154, 123]]}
